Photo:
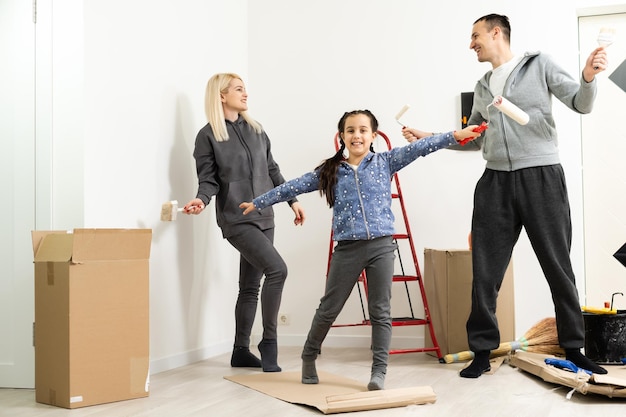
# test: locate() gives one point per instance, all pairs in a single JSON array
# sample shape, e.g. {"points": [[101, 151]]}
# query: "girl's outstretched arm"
{"points": [[297, 209]]}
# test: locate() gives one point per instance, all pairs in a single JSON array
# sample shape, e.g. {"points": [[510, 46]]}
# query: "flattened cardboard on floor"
{"points": [[334, 394], [448, 284], [91, 316], [611, 385]]}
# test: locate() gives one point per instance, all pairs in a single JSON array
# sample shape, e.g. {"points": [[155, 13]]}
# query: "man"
{"points": [[523, 184]]}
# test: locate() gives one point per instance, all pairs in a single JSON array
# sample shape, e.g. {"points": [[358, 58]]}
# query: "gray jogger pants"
{"points": [[504, 202]]}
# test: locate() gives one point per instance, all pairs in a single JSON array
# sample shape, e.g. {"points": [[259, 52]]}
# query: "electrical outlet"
{"points": [[284, 319]]}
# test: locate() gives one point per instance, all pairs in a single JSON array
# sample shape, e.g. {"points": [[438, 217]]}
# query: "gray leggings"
{"points": [[258, 257], [348, 260]]}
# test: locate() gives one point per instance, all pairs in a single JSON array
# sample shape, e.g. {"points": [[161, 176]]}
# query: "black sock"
{"points": [[479, 365], [243, 358], [580, 360]]}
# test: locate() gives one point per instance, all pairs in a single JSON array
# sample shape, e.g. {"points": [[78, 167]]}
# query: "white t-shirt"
{"points": [[500, 75]]}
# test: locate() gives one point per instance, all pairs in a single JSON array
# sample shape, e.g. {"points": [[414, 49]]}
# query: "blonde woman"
{"points": [[234, 163]]}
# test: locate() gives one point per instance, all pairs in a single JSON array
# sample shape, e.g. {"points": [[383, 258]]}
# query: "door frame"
{"points": [[29, 205], [598, 266]]}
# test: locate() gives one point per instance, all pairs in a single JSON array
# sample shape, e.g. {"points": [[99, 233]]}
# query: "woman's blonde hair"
{"points": [[218, 84]]}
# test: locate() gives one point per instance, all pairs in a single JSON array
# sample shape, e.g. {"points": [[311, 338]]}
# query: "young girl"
{"points": [[358, 189]]}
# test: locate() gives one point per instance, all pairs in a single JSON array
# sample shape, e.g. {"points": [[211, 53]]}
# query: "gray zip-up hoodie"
{"points": [[236, 170], [509, 146]]}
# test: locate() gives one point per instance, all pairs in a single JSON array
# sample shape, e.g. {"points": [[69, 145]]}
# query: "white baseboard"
{"points": [[335, 341], [189, 357]]}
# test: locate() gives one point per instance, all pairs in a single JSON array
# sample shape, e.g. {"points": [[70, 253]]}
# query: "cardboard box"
{"points": [[448, 285], [91, 316]]}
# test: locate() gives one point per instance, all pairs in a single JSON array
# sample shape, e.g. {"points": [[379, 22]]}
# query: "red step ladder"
{"points": [[402, 277]]}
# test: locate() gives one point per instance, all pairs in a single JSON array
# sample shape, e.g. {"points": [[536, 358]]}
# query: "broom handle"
{"points": [[466, 355]]}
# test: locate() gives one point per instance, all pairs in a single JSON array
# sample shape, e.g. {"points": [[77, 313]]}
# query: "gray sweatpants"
{"points": [[258, 257], [349, 258], [504, 202]]}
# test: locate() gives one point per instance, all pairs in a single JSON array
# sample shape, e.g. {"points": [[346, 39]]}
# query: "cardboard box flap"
{"points": [[38, 235], [52, 247], [111, 244]]}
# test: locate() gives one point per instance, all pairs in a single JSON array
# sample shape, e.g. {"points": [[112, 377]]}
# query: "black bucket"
{"points": [[605, 337]]}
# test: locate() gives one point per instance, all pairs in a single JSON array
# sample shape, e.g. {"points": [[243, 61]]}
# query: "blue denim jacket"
{"points": [[362, 209]]}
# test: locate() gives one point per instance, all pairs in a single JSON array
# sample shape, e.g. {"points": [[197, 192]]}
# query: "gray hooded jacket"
{"points": [[236, 170], [509, 146]]}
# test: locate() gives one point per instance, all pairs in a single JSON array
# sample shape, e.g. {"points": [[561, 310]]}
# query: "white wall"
{"points": [[128, 101], [145, 73], [310, 62]]}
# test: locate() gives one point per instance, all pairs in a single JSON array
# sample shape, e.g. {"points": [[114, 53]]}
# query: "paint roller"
{"points": [[510, 109], [605, 38], [506, 107], [400, 113]]}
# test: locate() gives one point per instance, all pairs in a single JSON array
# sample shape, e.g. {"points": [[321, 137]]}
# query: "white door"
{"points": [[17, 192], [604, 175]]}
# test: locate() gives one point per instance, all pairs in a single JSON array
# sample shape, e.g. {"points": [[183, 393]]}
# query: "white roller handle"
{"points": [[511, 110]]}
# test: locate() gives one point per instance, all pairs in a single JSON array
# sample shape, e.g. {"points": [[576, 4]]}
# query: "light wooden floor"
{"points": [[200, 390]]}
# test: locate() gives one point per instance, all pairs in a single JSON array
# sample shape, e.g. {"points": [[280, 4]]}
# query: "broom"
{"points": [[541, 338]]}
